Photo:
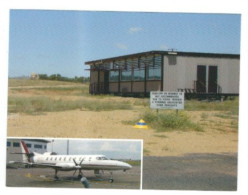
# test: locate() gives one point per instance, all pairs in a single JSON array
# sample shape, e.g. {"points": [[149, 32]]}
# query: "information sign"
{"points": [[166, 100]]}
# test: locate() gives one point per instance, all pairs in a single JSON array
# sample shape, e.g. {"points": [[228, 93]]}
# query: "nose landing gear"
{"points": [[111, 180]]}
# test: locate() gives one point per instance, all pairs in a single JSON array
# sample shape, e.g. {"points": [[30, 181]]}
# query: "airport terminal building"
{"points": [[193, 73], [14, 150]]}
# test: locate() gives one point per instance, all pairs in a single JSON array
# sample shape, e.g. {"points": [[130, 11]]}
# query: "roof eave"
{"points": [[163, 53]]}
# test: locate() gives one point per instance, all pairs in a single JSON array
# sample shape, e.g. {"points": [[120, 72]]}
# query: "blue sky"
{"points": [[51, 42], [118, 149]]}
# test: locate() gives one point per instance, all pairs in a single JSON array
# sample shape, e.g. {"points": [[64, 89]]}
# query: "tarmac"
{"points": [[204, 172], [44, 177]]}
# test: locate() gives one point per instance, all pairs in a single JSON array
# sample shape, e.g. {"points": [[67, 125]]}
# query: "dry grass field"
{"points": [[65, 109]]}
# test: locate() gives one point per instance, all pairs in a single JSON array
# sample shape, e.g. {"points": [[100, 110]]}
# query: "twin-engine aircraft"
{"points": [[71, 162]]}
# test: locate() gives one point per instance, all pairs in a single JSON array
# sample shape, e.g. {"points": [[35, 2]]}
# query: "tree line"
{"points": [[58, 77]]}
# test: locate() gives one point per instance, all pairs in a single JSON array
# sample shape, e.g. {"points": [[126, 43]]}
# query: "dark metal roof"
{"points": [[38, 140], [213, 55]]}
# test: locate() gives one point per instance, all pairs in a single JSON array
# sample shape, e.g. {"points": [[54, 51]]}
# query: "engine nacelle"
{"points": [[66, 166]]}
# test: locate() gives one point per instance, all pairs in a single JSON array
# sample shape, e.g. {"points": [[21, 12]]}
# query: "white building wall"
{"points": [[184, 73], [19, 157]]}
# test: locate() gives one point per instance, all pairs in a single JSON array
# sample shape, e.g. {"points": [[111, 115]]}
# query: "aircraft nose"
{"points": [[127, 166], [123, 165]]}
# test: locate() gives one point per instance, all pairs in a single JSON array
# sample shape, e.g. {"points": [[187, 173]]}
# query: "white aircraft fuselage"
{"points": [[71, 162]]}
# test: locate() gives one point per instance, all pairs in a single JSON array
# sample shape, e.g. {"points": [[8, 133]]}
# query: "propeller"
{"points": [[77, 165]]}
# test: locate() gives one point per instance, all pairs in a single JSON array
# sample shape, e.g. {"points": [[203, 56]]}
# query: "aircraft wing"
{"points": [[37, 165], [44, 165]]}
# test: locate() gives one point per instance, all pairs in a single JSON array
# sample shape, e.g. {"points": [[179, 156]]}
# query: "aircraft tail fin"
{"points": [[26, 155]]}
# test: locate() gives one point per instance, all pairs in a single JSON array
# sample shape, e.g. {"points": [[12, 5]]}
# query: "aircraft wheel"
{"points": [[111, 180]]}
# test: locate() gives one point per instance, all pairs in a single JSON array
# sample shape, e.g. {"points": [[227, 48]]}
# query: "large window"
{"points": [[154, 70], [38, 146], [29, 145], [126, 75], [113, 76], [120, 64], [154, 74], [139, 70], [134, 68], [138, 75]]}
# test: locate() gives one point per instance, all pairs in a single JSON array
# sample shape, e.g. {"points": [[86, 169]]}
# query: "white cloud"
{"points": [[133, 148], [107, 146], [110, 148], [121, 46], [164, 47], [133, 30]]}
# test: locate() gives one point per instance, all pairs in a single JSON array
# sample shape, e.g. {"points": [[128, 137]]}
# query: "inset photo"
{"points": [[74, 163]]}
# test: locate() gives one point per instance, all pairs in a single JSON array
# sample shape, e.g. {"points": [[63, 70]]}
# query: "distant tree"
{"points": [[59, 77], [52, 77], [43, 76]]}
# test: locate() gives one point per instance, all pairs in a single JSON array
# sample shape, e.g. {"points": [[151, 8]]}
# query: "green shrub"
{"points": [[170, 121]]}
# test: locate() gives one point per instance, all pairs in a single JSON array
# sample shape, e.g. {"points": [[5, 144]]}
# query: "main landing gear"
{"points": [[80, 173], [100, 173], [56, 176]]}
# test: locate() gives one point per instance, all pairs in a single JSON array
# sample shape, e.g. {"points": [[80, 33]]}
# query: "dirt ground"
{"points": [[108, 124], [217, 137]]}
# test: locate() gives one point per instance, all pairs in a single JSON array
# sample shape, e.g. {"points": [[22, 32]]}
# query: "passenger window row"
{"points": [[77, 159]]}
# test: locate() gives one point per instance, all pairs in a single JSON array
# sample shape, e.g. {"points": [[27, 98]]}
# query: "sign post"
{"points": [[167, 100]]}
